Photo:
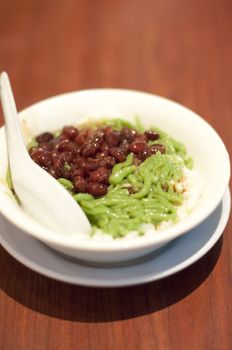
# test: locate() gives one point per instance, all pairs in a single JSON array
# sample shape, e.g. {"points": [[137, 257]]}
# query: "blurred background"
{"points": [[180, 49], [176, 48]]}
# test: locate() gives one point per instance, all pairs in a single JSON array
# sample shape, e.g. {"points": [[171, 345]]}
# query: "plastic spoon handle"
{"points": [[40, 194]]}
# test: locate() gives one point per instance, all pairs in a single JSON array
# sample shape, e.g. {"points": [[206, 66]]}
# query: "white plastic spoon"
{"points": [[40, 194]]}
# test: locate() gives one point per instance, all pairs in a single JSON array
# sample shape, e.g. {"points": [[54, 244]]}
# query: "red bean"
{"points": [[89, 133], [104, 147], [137, 146], [156, 148], [70, 132], [124, 145], [80, 162], [128, 134], [79, 184], [113, 138], [144, 154], [118, 154], [45, 137], [98, 136], [42, 157], [65, 173], [96, 189], [46, 146], [141, 137], [74, 171], [107, 131], [32, 150], [62, 137], [80, 139], [91, 164], [67, 157], [108, 162], [56, 174], [77, 151], [54, 144], [103, 154], [57, 162], [90, 149], [152, 135], [66, 146], [100, 175]]}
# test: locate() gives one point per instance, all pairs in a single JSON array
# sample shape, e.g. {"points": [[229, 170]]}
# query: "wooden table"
{"points": [[179, 49]]}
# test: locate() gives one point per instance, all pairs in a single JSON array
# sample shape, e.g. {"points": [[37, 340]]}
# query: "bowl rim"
{"points": [[46, 235]]}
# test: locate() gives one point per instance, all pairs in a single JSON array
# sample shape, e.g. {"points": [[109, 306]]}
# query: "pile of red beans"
{"points": [[86, 156]]}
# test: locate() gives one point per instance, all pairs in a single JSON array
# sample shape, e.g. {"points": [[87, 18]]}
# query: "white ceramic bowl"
{"points": [[203, 144]]}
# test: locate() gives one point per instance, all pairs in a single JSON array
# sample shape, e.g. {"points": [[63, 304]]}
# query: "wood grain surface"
{"points": [[176, 48]]}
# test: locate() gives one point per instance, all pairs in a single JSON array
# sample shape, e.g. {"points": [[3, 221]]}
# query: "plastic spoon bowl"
{"points": [[41, 196]]}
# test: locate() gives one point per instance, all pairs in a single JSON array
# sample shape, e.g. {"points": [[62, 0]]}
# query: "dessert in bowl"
{"points": [[170, 176]]}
